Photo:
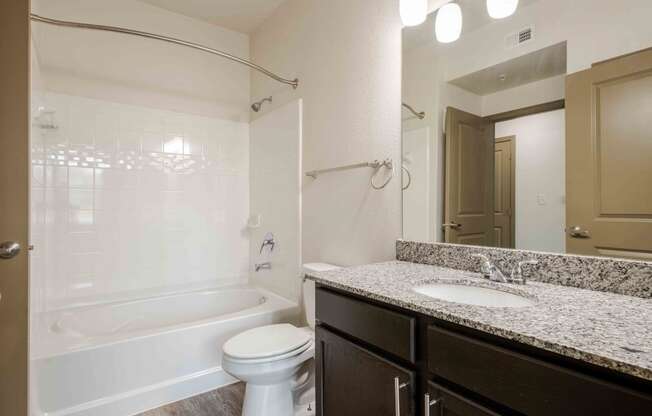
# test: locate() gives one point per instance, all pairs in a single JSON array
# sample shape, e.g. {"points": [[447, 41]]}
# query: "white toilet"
{"points": [[276, 360]]}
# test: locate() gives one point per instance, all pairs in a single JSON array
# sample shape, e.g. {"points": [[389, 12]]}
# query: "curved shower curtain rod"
{"points": [[420, 115], [293, 82]]}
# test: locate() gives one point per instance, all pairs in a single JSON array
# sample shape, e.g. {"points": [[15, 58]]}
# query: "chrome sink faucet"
{"points": [[490, 271]]}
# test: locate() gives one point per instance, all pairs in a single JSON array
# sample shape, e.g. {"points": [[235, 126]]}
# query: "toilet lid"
{"points": [[266, 341]]}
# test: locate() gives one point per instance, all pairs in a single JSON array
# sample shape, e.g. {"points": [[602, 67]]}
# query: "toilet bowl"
{"points": [[276, 361]]}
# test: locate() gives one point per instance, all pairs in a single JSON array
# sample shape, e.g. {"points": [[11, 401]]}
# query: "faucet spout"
{"points": [[489, 270], [263, 266]]}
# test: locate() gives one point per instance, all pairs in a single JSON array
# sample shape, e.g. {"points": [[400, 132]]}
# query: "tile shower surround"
{"points": [[129, 198], [625, 277]]}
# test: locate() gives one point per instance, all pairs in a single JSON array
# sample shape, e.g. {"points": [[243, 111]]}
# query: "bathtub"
{"points": [[122, 358]]}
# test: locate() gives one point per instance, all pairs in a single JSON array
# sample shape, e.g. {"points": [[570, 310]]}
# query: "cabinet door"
{"points": [[443, 402], [352, 381]]}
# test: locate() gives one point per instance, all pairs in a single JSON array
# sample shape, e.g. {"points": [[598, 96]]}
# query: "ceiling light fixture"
{"points": [[413, 12], [448, 24], [499, 9]]}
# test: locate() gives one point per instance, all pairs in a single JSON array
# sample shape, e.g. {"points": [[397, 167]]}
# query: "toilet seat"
{"points": [[267, 360], [268, 343]]}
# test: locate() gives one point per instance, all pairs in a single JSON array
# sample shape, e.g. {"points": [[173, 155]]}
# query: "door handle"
{"points": [[427, 404], [9, 250], [577, 232], [398, 386], [452, 225]]}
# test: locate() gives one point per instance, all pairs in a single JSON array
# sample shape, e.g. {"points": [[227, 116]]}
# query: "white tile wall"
{"points": [[128, 198]]}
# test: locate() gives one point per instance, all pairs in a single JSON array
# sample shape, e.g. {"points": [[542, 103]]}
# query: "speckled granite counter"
{"points": [[605, 329]]}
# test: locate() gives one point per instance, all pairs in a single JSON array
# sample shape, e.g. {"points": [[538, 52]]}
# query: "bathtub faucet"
{"points": [[263, 266]]}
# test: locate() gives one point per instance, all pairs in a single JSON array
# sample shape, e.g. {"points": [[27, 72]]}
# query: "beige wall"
{"points": [[544, 91], [540, 210], [347, 55]]}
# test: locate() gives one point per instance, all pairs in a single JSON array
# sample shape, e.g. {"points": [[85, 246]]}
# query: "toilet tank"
{"points": [[309, 289]]}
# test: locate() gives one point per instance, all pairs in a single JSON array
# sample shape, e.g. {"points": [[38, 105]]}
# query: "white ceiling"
{"points": [[239, 15], [474, 16], [544, 63]]}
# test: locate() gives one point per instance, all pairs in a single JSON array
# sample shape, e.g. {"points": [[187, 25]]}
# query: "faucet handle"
{"points": [[517, 272], [486, 266], [268, 240]]}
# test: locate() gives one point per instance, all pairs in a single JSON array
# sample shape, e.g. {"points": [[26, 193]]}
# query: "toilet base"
{"points": [[268, 400]]}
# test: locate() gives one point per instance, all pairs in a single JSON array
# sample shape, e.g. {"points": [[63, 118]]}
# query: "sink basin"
{"points": [[473, 295]]}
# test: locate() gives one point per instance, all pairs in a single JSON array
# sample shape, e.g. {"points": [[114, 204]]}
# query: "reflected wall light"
{"points": [[448, 24], [499, 9], [413, 12]]}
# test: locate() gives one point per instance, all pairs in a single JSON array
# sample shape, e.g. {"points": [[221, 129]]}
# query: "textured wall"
{"points": [[347, 55]]}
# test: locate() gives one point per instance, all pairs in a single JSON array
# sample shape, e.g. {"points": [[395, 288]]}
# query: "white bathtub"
{"points": [[122, 358]]}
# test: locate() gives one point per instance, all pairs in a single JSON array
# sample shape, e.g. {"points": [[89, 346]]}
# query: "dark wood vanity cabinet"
{"points": [[365, 347], [354, 381], [444, 402]]}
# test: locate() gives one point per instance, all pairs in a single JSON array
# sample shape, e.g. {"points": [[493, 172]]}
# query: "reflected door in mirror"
{"points": [[469, 179], [609, 172]]}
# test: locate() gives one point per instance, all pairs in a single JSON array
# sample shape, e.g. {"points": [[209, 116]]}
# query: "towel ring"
{"points": [[388, 164], [409, 175]]}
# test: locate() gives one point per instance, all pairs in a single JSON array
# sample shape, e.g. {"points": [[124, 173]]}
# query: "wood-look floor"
{"points": [[226, 401]]}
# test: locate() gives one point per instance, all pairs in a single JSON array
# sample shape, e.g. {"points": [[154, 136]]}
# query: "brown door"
{"points": [[608, 167], [504, 193], [14, 177], [353, 382], [468, 179]]}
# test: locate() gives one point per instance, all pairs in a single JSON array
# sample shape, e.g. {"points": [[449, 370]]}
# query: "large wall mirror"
{"points": [[532, 131]]}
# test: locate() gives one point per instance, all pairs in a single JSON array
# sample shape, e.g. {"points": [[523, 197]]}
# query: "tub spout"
{"points": [[263, 266]]}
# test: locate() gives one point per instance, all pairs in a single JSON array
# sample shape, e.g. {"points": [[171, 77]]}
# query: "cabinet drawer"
{"points": [[449, 403], [385, 329], [526, 384]]}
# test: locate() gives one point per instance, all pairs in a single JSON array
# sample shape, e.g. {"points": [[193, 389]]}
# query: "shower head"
{"points": [[257, 105]]}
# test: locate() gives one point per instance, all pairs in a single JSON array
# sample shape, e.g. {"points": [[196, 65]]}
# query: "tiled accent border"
{"points": [[625, 277]]}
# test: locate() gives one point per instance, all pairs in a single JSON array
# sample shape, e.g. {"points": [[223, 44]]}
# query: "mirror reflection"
{"points": [[531, 129]]}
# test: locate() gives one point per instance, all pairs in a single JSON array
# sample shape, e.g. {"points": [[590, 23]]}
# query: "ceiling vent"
{"points": [[519, 38]]}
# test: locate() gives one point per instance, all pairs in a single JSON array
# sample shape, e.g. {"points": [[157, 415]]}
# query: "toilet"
{"points": [[275, 361]]}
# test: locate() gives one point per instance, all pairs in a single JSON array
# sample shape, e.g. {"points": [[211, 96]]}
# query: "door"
{"points": [[608, 148], [504, 193], [351, 381], [468, 179], [443, 402], [14, 178]]}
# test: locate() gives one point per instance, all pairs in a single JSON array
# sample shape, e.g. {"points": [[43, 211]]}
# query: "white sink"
{"points": [[473, 295]]}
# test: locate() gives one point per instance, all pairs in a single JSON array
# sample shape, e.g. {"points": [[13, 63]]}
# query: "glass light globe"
{"points": [[413, 12], [448, 24], [499, 9]]}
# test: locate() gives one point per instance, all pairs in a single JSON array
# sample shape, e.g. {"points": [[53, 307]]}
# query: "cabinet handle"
{"points": [[427, 404], [398, 386]]}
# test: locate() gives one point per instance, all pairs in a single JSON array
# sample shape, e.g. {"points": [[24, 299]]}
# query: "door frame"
{"points": [[512, 166], [14, 203], [527, 111]]}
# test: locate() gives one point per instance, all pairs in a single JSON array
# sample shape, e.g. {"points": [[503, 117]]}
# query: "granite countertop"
{"points": [[605, 329]]}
